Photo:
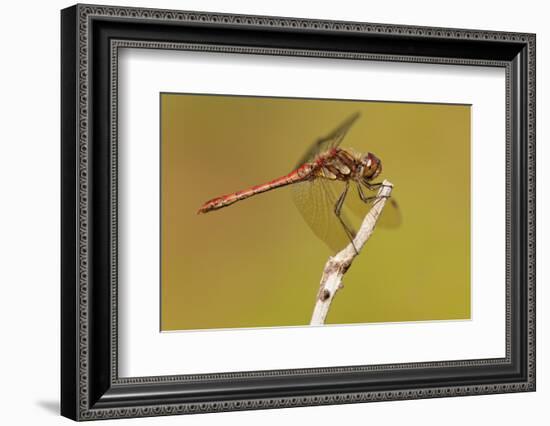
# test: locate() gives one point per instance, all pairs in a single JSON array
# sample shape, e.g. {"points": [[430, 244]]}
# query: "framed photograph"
{"points": [[263, 212]]}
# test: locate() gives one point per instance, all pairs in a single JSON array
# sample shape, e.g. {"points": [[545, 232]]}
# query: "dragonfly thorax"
{"points": [[344, 164]]}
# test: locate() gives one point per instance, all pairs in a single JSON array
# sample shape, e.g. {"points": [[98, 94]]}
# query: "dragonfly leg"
{"points": [[366, 199], [338, 212], [373, 186]]}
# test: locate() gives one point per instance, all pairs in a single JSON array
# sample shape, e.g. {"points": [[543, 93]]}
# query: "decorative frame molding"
{"points": [[91, 388]]}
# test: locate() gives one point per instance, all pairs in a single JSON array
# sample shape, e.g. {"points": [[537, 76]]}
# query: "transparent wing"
{"points": [[332, 140], [391, 215], [315, 201]]}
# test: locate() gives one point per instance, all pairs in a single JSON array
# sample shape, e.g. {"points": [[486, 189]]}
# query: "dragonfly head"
{"points": [[372, 166]]}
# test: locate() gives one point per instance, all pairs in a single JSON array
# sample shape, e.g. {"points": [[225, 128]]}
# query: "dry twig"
{"points": [[337, 266]]}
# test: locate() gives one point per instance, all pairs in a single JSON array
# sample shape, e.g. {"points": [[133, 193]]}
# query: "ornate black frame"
{"points": [[91, 37]]}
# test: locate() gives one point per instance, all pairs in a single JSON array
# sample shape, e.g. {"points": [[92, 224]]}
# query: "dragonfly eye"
{"points": [[372, 166]]}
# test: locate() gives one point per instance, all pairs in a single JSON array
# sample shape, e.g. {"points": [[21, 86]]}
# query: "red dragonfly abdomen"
{"points": [[301, 174]]}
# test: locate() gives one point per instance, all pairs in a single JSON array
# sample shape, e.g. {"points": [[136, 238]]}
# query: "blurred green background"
{"points": [[257, 264]]}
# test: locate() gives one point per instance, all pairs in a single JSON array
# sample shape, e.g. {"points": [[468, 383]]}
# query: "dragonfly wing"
{"points": [[331, 140], [316, 200], [391, 214]]}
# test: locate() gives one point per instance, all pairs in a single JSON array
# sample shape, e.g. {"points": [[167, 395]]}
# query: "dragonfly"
{"points": [[321, 183]]}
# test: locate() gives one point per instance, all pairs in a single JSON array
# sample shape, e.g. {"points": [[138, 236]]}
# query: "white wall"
{"points": [[29, 209]]}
